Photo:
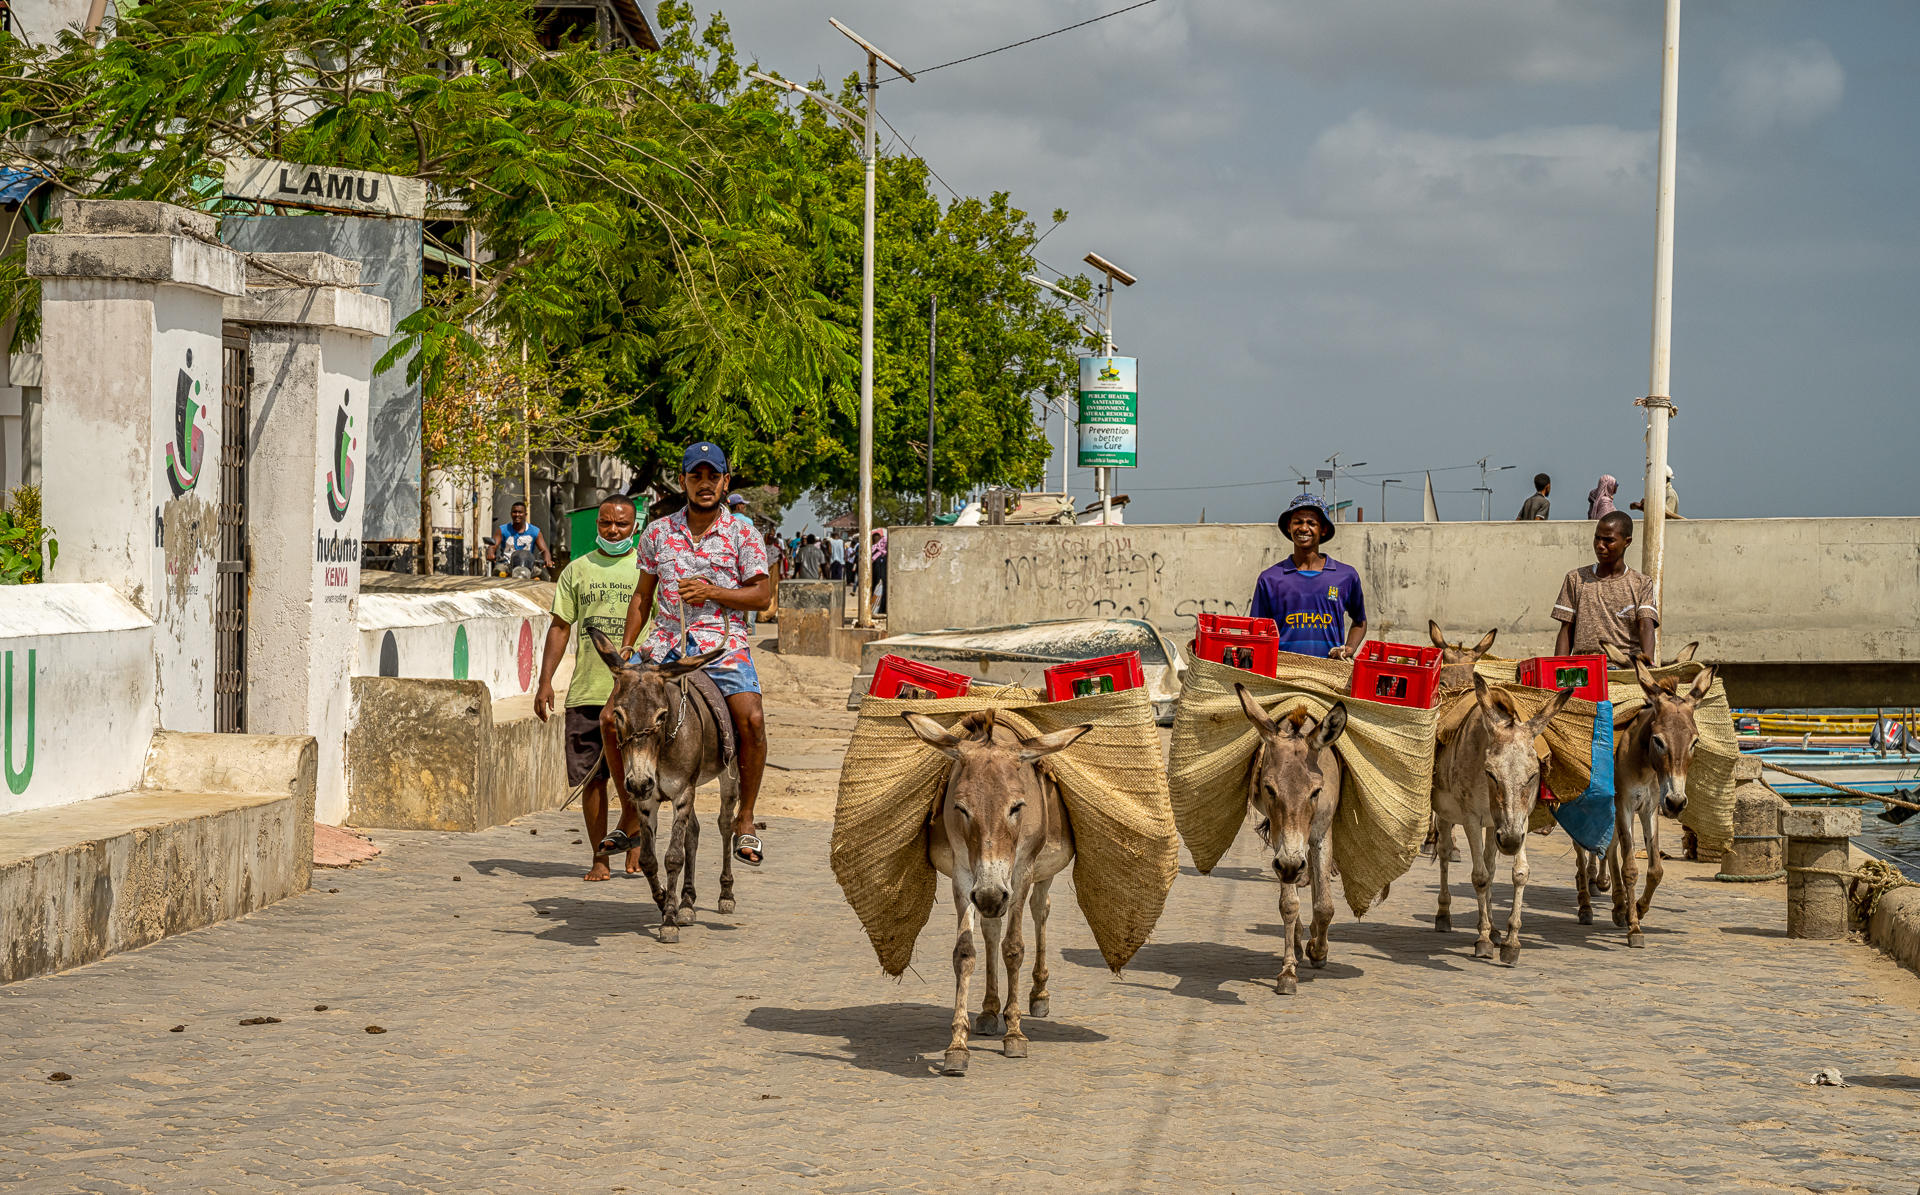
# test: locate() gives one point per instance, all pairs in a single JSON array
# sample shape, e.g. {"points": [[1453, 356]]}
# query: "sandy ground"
{"points": [[807, 727]]}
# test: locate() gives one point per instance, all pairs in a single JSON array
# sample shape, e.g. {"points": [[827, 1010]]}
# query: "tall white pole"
{"points": [[1659, 402], [1106, 474], [864, 611]]}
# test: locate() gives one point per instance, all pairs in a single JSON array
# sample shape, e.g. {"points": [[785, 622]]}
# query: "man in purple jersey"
{"points": [[1310, 596]]}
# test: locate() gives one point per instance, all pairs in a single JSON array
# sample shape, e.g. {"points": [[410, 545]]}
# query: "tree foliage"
{"points": [[676, 256]]}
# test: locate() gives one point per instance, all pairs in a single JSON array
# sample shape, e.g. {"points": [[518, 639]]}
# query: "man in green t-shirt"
{"points": [[594, 590]]}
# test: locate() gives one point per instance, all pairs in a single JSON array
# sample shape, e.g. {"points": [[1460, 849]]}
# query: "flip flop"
{"points": [[619, 840], [748, 849]]}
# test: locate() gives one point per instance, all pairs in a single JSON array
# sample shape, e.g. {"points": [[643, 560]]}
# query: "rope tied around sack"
{"points": [[1866, 884]]}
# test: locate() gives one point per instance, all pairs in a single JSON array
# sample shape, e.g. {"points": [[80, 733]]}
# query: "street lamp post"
{"points": [[865, 127], [1486, 491], [1102, 313], [1333, 481]]}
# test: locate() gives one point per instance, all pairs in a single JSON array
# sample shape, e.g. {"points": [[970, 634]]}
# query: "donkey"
{"points": [[1618, 658], [1457, 659], [668, 745], [1651, 751], [999, 833], [1294, 788], [1486, 778]]}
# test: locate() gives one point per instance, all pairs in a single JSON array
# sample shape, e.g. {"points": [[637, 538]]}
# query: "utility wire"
{"points": [[1041, 37], [915, 154]]}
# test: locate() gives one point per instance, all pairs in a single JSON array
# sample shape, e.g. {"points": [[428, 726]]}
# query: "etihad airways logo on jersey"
{"points": [[1306, 618]]}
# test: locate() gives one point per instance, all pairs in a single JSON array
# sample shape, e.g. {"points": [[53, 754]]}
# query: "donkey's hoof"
{"points": [[1316, 961], [1602, 883], [989, 1024], [1039, 1007], [955, 1064], [1586, 916], [1014, 1047], [1497, 936], [685, 916], [1442, 922], [1620, 918], [726, 904], [1510, 953], [1483, 948], [1288, 985], [1635, 939], [669, 932]]}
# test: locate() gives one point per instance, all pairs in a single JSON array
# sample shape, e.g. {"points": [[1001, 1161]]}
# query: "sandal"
{"points": [[619, 840], [748, 849]]}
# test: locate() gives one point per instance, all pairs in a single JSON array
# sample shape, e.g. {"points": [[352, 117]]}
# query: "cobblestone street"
{"points": [[538, 1037]]}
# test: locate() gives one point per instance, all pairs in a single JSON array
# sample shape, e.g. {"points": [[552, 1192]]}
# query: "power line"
{"points": [[1041, 37], [915, 154]]}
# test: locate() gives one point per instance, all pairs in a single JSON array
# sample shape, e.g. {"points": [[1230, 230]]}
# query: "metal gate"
{"points": [[230, 574]]}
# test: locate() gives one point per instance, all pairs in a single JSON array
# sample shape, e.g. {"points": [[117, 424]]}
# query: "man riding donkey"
{"points": [[708, 567]]}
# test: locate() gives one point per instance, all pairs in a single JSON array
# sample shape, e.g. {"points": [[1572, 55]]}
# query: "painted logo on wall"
{"points": [[188, 450], [523, 655], [340, 477], [17, 780]]}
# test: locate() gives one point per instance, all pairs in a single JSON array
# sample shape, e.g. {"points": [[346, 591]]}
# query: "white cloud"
{"points": [[1780, 88]]}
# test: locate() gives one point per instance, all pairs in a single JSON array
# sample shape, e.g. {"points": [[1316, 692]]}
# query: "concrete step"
{"points": [[81, 881]]}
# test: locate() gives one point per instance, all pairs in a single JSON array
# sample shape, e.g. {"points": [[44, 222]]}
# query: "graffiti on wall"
{"points": [[19, 777], [187, 451]]}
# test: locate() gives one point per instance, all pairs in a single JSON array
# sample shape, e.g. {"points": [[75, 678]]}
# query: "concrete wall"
{"points": [[490, 635], [442, 755], [1784, 590], [76, 694]]}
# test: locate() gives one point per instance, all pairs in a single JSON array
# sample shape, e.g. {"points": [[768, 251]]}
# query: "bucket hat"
{"points": [[1313, 503]]}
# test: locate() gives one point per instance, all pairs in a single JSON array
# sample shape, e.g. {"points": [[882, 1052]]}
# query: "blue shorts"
{"points": [[732, 679]]}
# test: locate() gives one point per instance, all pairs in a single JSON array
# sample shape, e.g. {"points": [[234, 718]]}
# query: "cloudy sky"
{"points": [[1419, 232]]}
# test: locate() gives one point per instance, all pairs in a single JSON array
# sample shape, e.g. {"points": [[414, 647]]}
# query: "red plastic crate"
{"points": [[1396, 674], [897, 676], [1107, 674], [1250, 643], [1587, 673]]}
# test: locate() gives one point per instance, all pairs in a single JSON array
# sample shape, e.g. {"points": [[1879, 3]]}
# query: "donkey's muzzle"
{"points": [[1288, 869], [991, 900], [1510, 842]]}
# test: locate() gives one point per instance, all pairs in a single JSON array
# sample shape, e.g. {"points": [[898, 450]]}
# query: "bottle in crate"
{"points": [[1396, 674], [1587, 675], [897, 676], [1249, 643], [1084, 678]]}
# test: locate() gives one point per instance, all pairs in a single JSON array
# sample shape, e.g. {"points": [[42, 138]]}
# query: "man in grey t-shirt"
{"points": [[811, 561]]}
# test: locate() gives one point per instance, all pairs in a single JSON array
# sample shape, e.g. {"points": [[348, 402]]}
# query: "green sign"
{"points": [[1109, 412]]}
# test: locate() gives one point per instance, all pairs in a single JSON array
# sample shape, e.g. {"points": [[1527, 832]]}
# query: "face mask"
{"points": [[615, 547]]}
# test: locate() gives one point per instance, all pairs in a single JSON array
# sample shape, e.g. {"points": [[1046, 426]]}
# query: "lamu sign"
{"points": [[325, 188]]}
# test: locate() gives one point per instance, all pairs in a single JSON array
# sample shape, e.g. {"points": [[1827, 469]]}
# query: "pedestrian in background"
{"points": [[811, 559], [836, 557], [1673, 499], [1600, 497], [1536, 506], [880, 569]]}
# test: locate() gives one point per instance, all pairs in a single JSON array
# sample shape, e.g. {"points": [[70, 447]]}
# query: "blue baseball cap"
{"points": [[703, 454], [1313, 503]]}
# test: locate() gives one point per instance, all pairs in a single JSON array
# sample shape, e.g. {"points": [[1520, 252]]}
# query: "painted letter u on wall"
{"points": [[17, 781]]}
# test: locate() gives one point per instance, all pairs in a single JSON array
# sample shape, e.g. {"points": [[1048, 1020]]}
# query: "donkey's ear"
{"points": [[1551, 710], [933, 734], [1685, 655], [1615, 657], [1438, 636], [1252, 710], [1703, 682], [1046, 744], [688, 664], [1648, 681], [1483, 694], [1486, 642], [606, 647], [1330, 727]]}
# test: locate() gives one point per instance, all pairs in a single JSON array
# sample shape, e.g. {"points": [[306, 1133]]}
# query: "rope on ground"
{"points": [[1866, 884]]}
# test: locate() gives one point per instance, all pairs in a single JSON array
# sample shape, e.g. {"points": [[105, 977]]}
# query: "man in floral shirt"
{"points": [[711, 564]]}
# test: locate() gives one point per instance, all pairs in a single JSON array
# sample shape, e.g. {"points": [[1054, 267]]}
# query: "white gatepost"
{"points": [[131, 307], [312, 358]]}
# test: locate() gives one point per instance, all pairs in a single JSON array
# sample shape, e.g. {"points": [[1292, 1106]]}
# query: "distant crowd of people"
{"points": [[809, 557], [1599, 498]]}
